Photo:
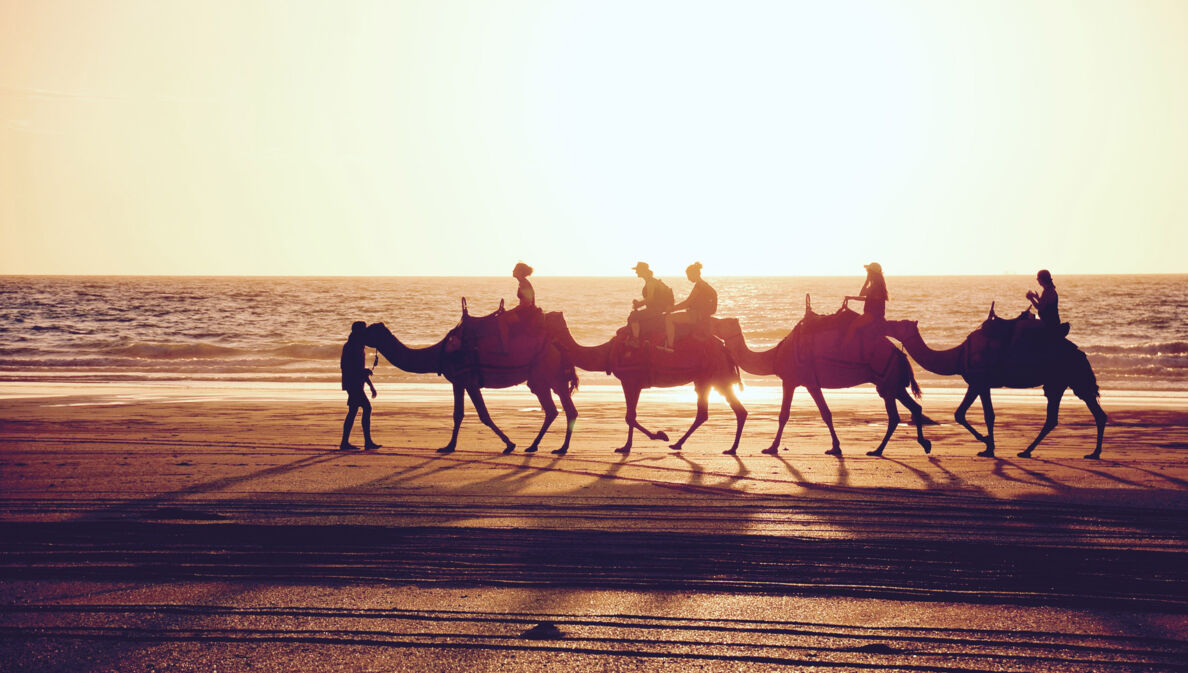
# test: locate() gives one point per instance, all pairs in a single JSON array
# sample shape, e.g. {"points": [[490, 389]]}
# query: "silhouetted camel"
{"points": [[1017, 353], [702, 362], [812, 356], [475, 355]]}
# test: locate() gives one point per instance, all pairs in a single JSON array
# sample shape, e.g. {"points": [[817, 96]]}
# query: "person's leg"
{"points": [[368, 442], [345, 444], [854, 327], [671, 321]]}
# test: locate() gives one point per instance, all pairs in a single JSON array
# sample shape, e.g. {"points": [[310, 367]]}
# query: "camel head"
{"points": [[898, 329], [378, 334]]}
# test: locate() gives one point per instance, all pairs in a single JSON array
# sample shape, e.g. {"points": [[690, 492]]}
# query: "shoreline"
{"points": [[396, 393], [217, 524]]}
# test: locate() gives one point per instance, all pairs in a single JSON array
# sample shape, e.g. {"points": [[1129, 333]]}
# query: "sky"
{"points": [[457, 137]]}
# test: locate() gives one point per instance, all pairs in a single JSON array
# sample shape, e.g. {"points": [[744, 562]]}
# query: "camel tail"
{"points": [[916, 392], [568, 371], [1083, 380]]}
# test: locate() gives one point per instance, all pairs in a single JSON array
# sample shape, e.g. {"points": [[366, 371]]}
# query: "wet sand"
{"points": [[188, 535]]}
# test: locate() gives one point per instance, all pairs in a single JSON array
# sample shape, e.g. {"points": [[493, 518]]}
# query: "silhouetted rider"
{"points": [[696, 309], [873, 296], [1046, 303], [657, 299]]}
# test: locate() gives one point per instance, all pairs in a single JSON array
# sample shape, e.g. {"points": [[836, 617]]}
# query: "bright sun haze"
{"points": [[455, 138]]}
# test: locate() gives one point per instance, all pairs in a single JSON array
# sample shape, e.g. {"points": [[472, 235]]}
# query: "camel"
{"points": [[816, 355], [479, 354], [702, 361], [1015, 353]]}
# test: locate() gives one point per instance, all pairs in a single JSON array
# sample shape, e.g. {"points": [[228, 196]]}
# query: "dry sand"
{"points": [[203, 535]]}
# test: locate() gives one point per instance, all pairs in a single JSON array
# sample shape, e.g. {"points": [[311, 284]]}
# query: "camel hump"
{"points": [[815, 322]]}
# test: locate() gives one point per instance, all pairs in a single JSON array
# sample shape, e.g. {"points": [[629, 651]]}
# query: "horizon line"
{"points": [[625, 275]]}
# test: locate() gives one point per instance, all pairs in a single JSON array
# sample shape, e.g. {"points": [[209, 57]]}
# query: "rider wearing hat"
{"points": [[874, 300], [657, 299]]}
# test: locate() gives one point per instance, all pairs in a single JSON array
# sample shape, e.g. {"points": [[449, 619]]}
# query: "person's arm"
{"points": [[527, 292], [1045, 299], [649, 291], [865, 289], [367, 380], [1033, 298]]}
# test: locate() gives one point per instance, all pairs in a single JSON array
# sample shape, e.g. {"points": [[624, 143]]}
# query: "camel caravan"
{"points": [[666, 344]]}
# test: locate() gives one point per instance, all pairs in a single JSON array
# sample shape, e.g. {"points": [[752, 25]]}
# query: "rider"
{"points": [[525, 295], [696, 309], [874, 300], [525, 306], [657, 299], [1046, 303]]}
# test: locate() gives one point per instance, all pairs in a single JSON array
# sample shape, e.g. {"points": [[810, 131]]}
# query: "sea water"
{"points": [[269, 331]]}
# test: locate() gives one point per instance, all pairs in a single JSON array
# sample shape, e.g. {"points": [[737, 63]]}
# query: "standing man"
{"points": [[354, 374]]}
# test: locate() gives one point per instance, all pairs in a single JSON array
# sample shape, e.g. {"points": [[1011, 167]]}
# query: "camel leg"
{"points": [[480, 407], [459, 412], [827, 416], [631, 397], [1053, 394], [785, 411], [917, 418], [1099, 417], [988, 415], [545, 396], [633, 422], [702, 414], [571, 415], [971, 394], [740, 416], [892, 423]]}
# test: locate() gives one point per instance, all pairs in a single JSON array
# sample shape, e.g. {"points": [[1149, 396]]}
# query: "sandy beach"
{"points": [[187, 532]]}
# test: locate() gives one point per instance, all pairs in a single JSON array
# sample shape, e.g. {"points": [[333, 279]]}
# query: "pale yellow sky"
{"points": [[457, 137]]}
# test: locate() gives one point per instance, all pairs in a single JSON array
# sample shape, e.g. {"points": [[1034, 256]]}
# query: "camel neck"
{"points": [[758, 363], [414, 360], [943, 362], [589, 358]]}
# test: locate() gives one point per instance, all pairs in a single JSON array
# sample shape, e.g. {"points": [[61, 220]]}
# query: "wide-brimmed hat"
{"points": [[873, 266], [641, 266]]}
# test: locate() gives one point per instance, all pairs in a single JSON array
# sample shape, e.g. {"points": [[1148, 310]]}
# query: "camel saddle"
{"points": [[652, 333], [1023, 341], [693, 350], [823, 336], [501, 338]]}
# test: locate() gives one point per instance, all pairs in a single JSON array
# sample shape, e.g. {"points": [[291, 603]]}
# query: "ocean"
{"points": [[74, 329]]}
